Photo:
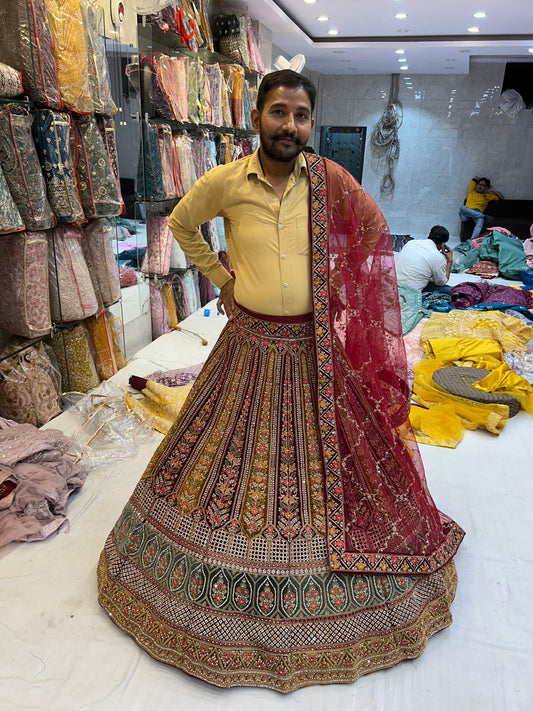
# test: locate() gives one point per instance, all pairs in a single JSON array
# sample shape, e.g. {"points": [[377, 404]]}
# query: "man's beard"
{"points": [[273, 150]]}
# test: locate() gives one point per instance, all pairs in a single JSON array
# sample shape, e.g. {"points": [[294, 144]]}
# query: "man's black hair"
{"points": [[485, 180], [284, 77], [439, 234]]}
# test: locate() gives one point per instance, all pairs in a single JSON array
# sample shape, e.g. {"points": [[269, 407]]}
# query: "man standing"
{"points": [[426, 264], [480, 193], [283, 534]]}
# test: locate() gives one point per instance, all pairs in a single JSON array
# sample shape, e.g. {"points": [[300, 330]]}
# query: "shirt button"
{"points": [[284, 256], [285, 284], [282, 227], [287, 312]]}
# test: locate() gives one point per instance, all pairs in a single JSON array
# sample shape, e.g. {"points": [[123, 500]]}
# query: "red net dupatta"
{"points": [[381, 517]]}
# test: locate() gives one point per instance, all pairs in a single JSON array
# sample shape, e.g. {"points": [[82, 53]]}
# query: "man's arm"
{"points": [[495, 192], [200, 204]]}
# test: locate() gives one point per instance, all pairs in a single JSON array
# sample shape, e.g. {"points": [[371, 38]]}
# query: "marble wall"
{"points": [[452, 130]]}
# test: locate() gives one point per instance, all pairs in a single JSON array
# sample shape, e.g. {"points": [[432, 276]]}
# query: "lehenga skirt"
{"points": [[218, 564]]}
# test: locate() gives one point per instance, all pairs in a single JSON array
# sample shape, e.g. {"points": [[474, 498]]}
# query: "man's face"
{"points": [[481, 187], [284, 124]]}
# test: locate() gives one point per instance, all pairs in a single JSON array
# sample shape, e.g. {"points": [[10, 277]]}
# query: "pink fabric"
{"points": [[41, 465]]}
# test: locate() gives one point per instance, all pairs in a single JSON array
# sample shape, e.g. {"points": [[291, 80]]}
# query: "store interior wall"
{"points": [[452, 130]]}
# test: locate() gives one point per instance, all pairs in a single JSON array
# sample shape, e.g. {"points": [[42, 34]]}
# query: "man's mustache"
{"points": [[287, 137]]}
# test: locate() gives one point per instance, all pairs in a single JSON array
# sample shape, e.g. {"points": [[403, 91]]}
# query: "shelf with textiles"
{"points": [[59, 189], [201, 127]]}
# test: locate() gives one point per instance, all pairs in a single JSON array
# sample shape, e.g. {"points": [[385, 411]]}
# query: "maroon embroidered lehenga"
{"points": [[283, 534]]}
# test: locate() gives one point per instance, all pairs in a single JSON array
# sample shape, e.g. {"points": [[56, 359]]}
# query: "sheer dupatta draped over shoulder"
{"points": [[381, 517]]}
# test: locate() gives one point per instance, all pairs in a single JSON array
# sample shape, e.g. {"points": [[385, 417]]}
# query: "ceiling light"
{"points": [[403, 59], [478, 15], [322, 18], [530, 50], [473, 29], [400, 51], [403, 30], [400, 16], [333, 32], [404, 66], [310, 2]]}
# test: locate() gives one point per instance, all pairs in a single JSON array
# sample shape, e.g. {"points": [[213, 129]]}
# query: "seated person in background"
{"points": [[480, 193], [425, 264]]}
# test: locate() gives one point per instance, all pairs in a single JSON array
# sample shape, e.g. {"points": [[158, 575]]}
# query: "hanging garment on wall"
{"points": [[193, 104], [97, 244], [29, 49], [158, 245], [52, 135], [70, 51], [10, 81], [149, 172], [10, 219], [173, 76], [102, 345], [106, 126], [99, 190], [30, 383], [72, 295], [169, 298], [143, 78], [24, 279], [214, 80], [178, 258], [98, 70], [116, 331], [235, 80], [75, 358], [22, 171], [169, 162], [183, 145], [158, 310]]}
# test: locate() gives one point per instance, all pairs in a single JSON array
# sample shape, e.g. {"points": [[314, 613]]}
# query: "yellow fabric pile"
{"points": [[472, 339], [160, 403]]}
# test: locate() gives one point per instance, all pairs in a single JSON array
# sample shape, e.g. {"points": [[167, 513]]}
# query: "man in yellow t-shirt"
{"points": [[480, 193]]}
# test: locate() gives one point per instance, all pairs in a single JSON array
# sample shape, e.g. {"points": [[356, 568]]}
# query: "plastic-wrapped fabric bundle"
{"points": [[169, 164], [98, 69], [30, 383], [149, 172], [226, 93], [102, 344], [106, 126], [254, 51], [10, 219], [97, 244], [214, 79], [24, 278], [52, 135], [183, 144], [193, 103], [116, 331], [73, 350], [70, 51], [235, 77], [99, 189], [159, 310], [173, 76], [72, 295], [144, 79], [10, 81], [21, 167], [30, 48], [159, 245]]}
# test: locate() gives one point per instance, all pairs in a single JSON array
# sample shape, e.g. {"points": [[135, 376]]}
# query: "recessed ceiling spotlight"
{"points": [[403, 30], [403, 59], [478, 15], [530, 50], [400, 16], [473, 29], [333, 32], [322, 18], [310, 2], [400, 51], [404, 66]]}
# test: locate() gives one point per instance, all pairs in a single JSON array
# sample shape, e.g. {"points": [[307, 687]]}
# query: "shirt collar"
{"points": [[255, 168]]}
